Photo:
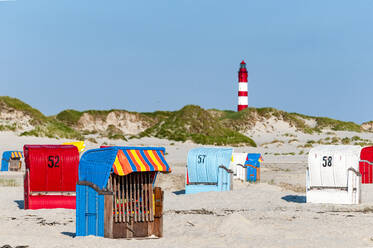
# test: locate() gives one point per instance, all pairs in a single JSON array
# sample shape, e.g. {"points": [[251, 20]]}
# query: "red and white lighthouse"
{"points": [[243, 99]]}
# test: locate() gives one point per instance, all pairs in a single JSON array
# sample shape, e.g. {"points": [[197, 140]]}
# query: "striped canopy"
{"points": [[17, 155], [137, 160]]}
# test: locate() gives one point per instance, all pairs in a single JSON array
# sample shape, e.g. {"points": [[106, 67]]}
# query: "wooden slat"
{"points": [[158, 197], [127, 200], [150, 190], [115, 198], [109, 184], [108, 216], [119, 178], [158, 212], [134, 198], [119, 198], [123, 201], [142, 197], [122, 197], [146, 201], [112, 189], [138, 197], [147, 197], [130, 197], [135, 195]]}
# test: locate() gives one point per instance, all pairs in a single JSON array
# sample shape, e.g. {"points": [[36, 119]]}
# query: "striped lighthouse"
{"points": [[243, 100]]}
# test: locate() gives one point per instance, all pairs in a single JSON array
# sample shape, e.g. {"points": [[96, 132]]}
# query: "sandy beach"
{"points": [[272, 213], [283, 88]]}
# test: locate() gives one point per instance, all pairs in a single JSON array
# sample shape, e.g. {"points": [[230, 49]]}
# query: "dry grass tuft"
{"points": [[296, 188], [8, 182]]}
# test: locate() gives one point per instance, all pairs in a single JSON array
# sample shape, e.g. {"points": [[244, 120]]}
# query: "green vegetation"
{"points": [[276, 141], [289, 135], [233, 115], [14, 103], [293, 140], [346, 141], [93, 140], [158, 115], [99, 114], [356, 140], [8, 182], [336, 125], [307, 145], [250, 115], [364, 143], [87, 132], [70, 116], [330, 133], [54, 129], [196, 124], [215, 127], [8, 127], [44, 126], [288, 153], [113, 132]]}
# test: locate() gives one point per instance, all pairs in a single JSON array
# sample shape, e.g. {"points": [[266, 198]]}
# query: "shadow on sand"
{"points": [[179, 192], [20, 203], [70, 234], [294, 198]]}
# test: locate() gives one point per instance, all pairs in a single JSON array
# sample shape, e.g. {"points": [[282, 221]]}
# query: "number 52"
{"points": [[53, 161]]}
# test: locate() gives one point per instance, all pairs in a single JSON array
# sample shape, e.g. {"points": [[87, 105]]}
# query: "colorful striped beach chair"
{"points": [[116, 197], [11, 161]]}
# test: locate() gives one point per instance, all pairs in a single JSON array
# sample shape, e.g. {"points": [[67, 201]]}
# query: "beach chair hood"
{"points": [[203, 164], [97, 164]]}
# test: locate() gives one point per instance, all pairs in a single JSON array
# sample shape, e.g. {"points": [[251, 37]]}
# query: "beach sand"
{"points": [[272, 213]]}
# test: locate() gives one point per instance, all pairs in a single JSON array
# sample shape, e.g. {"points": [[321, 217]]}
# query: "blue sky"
{"points": [[311, 57]]}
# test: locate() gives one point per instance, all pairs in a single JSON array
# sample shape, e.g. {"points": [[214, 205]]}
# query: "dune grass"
{"points": [[8, 182], [198, 125]]}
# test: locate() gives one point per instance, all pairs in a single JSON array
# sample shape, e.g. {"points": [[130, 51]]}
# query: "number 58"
{"points": [[327, 161]]}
